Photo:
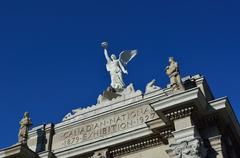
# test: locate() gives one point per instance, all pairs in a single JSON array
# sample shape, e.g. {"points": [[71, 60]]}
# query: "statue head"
{"points": [[26, 114], [171, 59], [113, 57]]}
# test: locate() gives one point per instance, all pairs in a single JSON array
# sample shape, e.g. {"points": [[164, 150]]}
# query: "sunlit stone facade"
{"points": [[160, 123]]}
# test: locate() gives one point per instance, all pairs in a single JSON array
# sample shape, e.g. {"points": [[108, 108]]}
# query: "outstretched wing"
{"points": [[126, 56]]}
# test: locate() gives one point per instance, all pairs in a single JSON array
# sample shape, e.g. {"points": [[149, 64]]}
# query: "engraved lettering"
{"points": [[117, 122]]}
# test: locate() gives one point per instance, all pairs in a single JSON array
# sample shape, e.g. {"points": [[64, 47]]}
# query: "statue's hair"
{"points": [[26, 113]]}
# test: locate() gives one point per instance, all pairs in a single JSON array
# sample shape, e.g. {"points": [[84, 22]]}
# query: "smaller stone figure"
{"points": [[173, 72], [25, 123]]}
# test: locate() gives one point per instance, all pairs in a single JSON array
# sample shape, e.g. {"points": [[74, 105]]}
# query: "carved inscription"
{"points": [[108, 125]]}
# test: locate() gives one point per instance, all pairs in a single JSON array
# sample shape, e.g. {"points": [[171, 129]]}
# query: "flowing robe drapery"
{"points": [[116, 74]]}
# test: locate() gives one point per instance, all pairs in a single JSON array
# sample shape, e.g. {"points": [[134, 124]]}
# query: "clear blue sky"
{"points": [[51, 61]]}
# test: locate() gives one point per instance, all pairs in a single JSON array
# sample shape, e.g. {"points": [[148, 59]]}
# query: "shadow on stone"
{"points": [[41, 140]]}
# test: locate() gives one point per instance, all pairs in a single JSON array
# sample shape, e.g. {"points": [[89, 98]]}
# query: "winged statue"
{"points": [[117, 67]]}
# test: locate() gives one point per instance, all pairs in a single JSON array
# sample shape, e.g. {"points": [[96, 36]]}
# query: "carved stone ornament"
{"points": [[151, 87], [107, 97], [186, 149], [101, 154], [110, 94]]}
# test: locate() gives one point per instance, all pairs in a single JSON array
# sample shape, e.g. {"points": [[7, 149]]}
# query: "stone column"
{"points": [[186, 142]]}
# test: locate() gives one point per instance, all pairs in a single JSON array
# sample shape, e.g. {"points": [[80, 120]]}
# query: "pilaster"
{"points": [[216, 145], [186, 141]]}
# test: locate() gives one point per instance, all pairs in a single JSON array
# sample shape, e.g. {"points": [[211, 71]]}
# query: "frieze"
{"points": [[106, 125]]}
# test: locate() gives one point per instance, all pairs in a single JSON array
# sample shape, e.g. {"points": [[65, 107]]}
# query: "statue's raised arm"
{"points": [[105, 45]]}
